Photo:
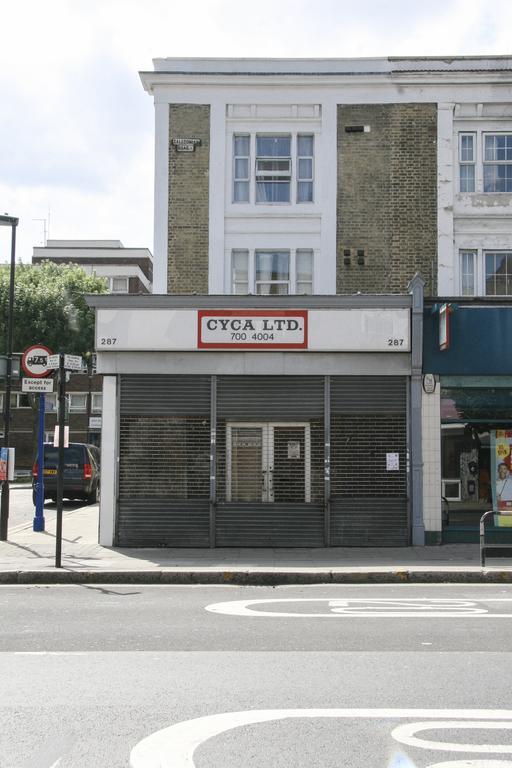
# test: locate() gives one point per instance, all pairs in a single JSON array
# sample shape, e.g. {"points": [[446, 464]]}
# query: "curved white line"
{"points": [[174, 746], [473, 764], [351, 607], [405, 734]]}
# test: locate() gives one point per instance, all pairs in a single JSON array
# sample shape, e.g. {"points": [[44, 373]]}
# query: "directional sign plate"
{"points": [[73, 363]]}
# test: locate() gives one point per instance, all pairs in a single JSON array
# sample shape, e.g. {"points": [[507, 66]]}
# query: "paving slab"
{"points": [[29, 557]]}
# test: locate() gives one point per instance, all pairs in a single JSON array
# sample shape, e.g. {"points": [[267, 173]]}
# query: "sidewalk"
{"points": [[29, 557]]}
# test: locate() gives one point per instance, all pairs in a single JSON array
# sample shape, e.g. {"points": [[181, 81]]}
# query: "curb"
{"points": [[255, 578]]}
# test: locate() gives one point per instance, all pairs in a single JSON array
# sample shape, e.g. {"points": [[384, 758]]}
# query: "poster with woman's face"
{"points": [[501, 470]]}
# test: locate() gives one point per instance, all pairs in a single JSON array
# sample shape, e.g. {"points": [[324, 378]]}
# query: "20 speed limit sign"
{"points": [[35, 361]]}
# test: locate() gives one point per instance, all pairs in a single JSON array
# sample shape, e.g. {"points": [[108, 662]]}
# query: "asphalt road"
{"points": [[375, 676]]}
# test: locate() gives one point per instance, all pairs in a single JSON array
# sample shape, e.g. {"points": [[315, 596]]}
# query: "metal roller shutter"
{"points": [[368, 501], [164, 461], [290, 408]]}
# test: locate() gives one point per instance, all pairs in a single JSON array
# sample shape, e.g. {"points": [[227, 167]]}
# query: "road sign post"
{"points": [[60, 471], [38, 523]]}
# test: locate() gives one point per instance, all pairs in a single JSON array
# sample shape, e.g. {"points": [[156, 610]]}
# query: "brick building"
{"points": [[302, 196]]}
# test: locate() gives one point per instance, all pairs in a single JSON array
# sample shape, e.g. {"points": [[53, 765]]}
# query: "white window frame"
{"points": [[126, 282], [488, 163], [241, 179], [275, 176], [305, 179], [494, 252], [74, 409], [292, 281], [467, 163], [234, 282], [291, 173], [463, 253], [95, 397]]}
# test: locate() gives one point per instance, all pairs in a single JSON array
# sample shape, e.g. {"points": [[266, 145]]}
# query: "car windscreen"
{"points": [[73, 456]]}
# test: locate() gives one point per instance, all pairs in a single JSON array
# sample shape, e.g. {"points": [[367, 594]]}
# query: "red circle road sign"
{"points": [[35, 361]]}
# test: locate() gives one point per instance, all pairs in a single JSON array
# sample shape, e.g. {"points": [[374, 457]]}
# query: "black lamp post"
{"points": [[8, 221]]}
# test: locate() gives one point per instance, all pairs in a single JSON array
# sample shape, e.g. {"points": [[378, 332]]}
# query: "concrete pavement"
{"points": [[28, 557]]}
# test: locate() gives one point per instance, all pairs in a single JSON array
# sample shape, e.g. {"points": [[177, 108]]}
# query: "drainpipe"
{"points": [[416, 288]]}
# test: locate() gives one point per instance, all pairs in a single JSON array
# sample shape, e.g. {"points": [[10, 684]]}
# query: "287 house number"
{"points": [[108, 341], [395, 342]]}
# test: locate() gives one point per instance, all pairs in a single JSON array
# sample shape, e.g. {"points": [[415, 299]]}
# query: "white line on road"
{"points": [[405, 734], [366, 608], [174, 747]]}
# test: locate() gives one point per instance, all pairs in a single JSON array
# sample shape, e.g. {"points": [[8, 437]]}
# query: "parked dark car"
{"points": [[81, 472]]}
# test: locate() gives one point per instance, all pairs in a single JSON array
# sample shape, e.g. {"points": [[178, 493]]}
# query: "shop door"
{"points": [[268, 462]]}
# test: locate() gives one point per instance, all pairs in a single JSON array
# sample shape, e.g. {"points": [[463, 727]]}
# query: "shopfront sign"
{"points": [[232, 328], [256, 330]]}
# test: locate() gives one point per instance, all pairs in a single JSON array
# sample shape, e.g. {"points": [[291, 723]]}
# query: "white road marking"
{"points": [[174, 747], [405, 734], [473, 764], [56, 763], [366, 608]]}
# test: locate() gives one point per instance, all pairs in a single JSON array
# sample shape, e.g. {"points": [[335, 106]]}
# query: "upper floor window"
{"points": [[273, 169], [467, 272], [96, 402], [497, 162], [272, 272], [118, 284], [498, 273], [241, 168], [467, 162], [274, 178], [304, 169]]}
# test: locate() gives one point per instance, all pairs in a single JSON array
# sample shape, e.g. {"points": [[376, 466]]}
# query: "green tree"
{"points": [[49, 307]]}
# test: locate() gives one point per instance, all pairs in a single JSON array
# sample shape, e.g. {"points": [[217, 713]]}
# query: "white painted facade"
{"points": [[300, 96]]}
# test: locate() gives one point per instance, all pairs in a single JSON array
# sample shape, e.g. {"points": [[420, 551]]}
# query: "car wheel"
{"points": [[94, 495]]}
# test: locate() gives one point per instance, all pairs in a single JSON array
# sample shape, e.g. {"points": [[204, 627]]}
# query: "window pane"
{"points": [[273, 192], [273, 146], [241, 192], [241, 289], [306, 288], [467, 178], [305, 170], [304, 265], [468, 273], [272, 289], [241, 145], [97, 401], [466, 149], [489, 148], [242, 168], [240, 261], [305, 145], [272, 265], [305, 192]]}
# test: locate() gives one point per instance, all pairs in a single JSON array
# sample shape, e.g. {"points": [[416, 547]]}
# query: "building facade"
{"points": [[280, 184]]}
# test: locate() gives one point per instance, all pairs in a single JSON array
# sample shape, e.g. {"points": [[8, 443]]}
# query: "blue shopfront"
{"points": [[468, 347]]}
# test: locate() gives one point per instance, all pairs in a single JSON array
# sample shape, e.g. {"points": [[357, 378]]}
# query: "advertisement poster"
{"points": [[4, 454], [501, 475]]}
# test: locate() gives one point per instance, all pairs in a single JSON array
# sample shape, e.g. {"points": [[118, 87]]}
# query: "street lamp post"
{"points": [[8, 221]]}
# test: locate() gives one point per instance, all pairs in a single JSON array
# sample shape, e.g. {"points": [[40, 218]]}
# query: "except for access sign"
{"points": [[35, 359], [250, 329], [37, 385]]}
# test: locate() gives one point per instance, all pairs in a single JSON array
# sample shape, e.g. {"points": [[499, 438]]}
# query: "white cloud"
{"points": [[76, 132]]}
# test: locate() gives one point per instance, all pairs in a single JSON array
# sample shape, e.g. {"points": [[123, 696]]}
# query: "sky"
{"points": [[77, 128]]}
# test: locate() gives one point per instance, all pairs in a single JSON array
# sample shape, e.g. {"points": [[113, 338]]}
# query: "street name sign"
{"points": [[37, 385]]}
